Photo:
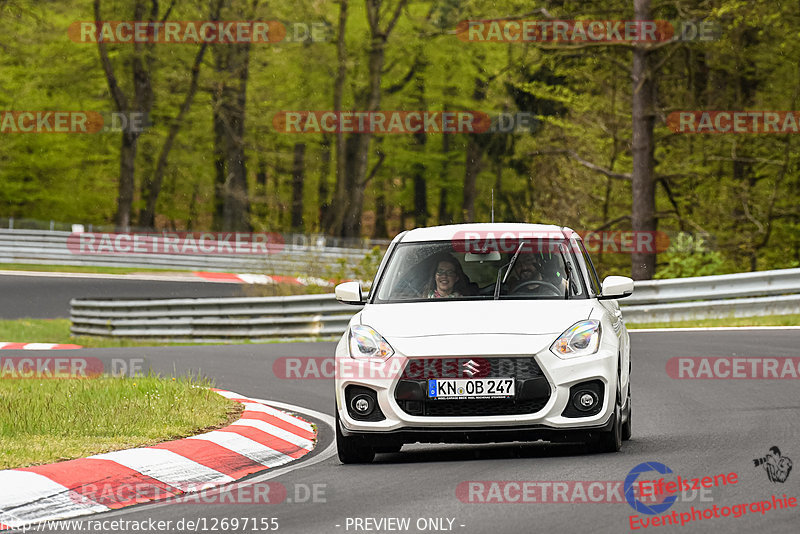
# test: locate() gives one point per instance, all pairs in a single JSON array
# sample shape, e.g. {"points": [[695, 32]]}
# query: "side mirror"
{"points": [[616, 287], [349, 293]]}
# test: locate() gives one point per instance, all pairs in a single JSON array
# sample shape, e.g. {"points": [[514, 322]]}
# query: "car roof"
{"points": [[485, 231]]}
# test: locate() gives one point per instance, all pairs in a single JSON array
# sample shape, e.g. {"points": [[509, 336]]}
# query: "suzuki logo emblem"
{"points": [[471, 368]]}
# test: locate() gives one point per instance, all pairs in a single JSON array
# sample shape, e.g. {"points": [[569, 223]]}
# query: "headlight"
{"points": [[580, 339], [367, 343]]}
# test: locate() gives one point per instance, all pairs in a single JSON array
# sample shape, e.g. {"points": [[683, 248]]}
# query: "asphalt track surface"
{"points": [[696, 427], [47, 297]]}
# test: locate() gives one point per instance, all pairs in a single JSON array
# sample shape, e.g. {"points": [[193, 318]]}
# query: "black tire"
{"points": [[627, 431], [611, 440], [352, 449]]}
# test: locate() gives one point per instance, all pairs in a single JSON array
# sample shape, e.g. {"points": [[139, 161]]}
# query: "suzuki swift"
{"points": [[483, 333]]}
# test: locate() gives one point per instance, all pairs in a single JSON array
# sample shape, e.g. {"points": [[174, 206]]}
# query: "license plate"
{"points": [[473, 388]]}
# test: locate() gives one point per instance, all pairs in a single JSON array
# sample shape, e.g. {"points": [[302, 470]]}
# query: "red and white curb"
{"points": [[244, 278], [262, 438], [7, 345]]}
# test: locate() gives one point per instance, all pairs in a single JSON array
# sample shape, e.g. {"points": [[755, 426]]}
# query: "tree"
{"points": [[229, 102], [140, 103], [643, 263]]}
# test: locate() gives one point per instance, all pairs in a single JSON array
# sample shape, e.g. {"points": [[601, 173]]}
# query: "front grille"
{"points": [[519, 368], [532, 388]]}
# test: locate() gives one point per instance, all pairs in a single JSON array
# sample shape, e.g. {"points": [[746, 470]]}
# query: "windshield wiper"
{"points": [[510, 266]]}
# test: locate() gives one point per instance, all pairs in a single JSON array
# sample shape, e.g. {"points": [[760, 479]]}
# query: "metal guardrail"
{"points": [[306, 316], [314, 316], [305, 258], [709, 297]]}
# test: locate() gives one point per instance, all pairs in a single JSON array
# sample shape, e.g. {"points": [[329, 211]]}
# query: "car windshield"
{"points": [[443, 270]]}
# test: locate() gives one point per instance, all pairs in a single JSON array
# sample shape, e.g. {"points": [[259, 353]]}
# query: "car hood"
{"points": [[444, 318]]}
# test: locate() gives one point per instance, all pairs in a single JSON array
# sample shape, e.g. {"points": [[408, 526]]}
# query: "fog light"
{"points": [[363, 405], [584, 400]]}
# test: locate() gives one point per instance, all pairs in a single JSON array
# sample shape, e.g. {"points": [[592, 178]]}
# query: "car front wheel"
{"points": [[352, 449], [611, 440], [627, 430]]}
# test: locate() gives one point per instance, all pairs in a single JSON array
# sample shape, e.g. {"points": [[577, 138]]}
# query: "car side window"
{"points": [[593, 279]]}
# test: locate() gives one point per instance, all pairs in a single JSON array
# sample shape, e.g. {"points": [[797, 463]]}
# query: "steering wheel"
{"points": [[542, 283]]}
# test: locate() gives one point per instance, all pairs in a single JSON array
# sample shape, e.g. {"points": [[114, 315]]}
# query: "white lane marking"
{"points": [[34, 496], [167, 466], [283, 416], [256, 278], [246, 447], [329, 452], [713, 328], [273, 430], [231, 395]]}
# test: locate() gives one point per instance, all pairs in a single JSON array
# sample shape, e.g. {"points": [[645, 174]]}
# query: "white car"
{"points": [[483, 333]]}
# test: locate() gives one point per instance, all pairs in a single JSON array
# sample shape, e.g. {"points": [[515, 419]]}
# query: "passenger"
{"points": [[447, 280]]}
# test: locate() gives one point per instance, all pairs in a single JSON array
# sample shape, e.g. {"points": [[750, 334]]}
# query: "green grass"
{"points": [[766, 320], [57, 331], [44, 421], [82, 269]]}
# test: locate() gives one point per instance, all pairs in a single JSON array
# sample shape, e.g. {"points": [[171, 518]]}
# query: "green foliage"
{"points": [[690, 255], [742, 190]]}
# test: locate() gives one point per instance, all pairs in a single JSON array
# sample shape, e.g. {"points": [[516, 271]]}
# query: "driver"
{"points": [[526, 268], [529, 269]]}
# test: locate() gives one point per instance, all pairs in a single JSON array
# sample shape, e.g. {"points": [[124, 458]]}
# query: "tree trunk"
{"points": [[420, 183], [334, 218], [381, 214], [360, 143], [444, 216], [220, 140], [141, 68], [473, 165], [370, 102], [127, 168], [444, 213], [298, 176], [153, 186], [229, 103], [322, 187], [474, 156], [643, 263]]}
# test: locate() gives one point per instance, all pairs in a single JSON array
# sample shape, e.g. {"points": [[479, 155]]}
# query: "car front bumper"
{"points": [[546, 423]]}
